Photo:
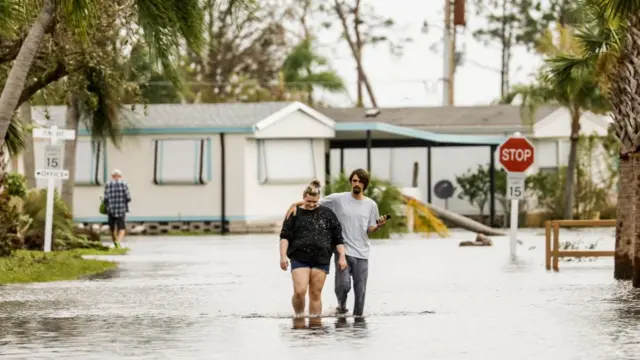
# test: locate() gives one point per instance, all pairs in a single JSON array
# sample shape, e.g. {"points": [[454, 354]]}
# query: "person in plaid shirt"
{"points": [[116, 200]]}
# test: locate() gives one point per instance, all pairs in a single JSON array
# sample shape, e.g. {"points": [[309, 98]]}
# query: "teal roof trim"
{"points": [[421, 134], [179, 131]]}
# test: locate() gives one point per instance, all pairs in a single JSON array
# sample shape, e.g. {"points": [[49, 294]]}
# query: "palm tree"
{"points": [[578, 96], [165, 25], [299, 73], [609, 35]]}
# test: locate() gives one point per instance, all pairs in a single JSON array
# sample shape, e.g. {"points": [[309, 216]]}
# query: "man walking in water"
{"points": [[116, 200], [358, 216]]}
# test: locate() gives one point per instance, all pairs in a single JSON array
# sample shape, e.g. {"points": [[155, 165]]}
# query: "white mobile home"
{"points": [[199, 165]]}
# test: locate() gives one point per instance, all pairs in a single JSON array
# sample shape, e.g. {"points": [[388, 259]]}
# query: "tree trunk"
{"points": [[354, 51], [625, 229], [358, 54], [21, 66], [464, 222], [504, 68], [3, 166], [571, 165], [625, 109], [72, 122], [635, 248], [28, 156]]}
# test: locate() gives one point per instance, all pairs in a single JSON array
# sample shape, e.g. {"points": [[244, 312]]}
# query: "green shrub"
{"points": [[65, 234], [9, 221], [15, 185]]}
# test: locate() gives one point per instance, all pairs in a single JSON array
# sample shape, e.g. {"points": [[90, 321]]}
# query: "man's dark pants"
{"points": [[359, 270]]}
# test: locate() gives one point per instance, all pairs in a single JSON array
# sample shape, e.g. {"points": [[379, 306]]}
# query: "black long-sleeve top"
{"points": [[312, 235]]}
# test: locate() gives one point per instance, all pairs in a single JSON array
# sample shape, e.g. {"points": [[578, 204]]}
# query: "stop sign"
{"points": [[516, 154]]}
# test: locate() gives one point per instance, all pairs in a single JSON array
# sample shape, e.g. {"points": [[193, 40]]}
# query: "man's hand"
{"points": [[380, 222], [292, 210], [342, 262], [284, 263]]}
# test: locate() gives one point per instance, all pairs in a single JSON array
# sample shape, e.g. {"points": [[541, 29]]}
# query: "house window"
{"points": [[182, 161], [286, 161], [90, 163]]}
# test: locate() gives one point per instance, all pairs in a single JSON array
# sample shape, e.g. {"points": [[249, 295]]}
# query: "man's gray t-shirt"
{"points": [[355, 217]]}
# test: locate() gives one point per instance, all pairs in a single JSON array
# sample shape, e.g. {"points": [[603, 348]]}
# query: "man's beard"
{"points": [[356, 190]]}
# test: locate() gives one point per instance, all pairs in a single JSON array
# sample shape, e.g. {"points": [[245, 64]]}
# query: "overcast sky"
{"points": [[413, 79]]}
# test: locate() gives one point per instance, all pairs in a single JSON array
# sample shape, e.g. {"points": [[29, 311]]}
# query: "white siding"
{"points": [[296, 125], [270, 201]]}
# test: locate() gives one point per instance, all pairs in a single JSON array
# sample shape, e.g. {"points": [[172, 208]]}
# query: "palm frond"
{"points": [[619, 8], [14, 140], [327, 80], [81, 15], [11, 14], [599, 33], [165, 24], [100, 107], [299, 65], [563, 69]]}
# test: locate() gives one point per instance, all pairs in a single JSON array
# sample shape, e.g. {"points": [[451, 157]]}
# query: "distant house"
{"points": [[549, 132]]}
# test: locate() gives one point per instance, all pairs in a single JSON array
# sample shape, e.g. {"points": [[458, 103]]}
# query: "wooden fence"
{"points": [[552, 240]]}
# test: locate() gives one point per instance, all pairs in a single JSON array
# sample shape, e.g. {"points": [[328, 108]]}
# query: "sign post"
{"points": [[52, 171], [516, 155]]}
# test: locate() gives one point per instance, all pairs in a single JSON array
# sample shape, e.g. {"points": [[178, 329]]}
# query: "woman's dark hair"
{"points": [[362, 175], [312, 189]]}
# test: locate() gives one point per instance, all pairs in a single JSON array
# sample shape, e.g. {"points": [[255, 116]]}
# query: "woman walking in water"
{"points": [[309, 239]]}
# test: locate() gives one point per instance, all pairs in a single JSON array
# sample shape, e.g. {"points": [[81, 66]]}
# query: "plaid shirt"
{"points": [[117, 198]]}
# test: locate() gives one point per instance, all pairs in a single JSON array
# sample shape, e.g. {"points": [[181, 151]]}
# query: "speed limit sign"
{"points": [[53, 157], [515, 186]]}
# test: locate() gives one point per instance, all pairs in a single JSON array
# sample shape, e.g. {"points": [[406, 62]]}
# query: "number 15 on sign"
{"points": [[53, 157], [515, 186]]}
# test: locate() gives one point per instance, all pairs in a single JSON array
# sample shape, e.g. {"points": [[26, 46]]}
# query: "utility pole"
{"points": [[457, 7], [448, 59]]}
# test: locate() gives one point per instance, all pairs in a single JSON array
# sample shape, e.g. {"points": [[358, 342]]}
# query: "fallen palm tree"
{"points": [[431, 216], [424, 221]]}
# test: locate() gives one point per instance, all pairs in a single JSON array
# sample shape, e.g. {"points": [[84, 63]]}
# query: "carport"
{"points": [[369, 135]]}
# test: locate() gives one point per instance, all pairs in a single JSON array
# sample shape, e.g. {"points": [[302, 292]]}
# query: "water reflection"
{"points": [[22, 330], [186, 300], [356, 329], [311, 323]]}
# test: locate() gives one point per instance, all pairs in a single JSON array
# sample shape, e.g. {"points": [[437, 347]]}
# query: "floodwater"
{"points": [[214, 298]]}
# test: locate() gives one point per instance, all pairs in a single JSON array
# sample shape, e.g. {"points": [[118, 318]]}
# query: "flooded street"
{"points": [[215, 297]]}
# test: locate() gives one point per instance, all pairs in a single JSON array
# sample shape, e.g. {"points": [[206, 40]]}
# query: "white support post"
{"points": [[48, 227], [52, 171]]}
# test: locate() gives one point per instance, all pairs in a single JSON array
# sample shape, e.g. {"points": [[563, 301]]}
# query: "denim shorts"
{"points": [[295, 264]]}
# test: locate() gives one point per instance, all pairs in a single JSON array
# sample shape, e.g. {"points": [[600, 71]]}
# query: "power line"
{"points": [[215, 83]]}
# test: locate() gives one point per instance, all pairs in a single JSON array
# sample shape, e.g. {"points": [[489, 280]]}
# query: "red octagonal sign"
{"points": [[516, 154]]}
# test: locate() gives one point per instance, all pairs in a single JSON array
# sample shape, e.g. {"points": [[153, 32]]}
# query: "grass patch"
{"points": [[36, 266], [112, 251]]}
